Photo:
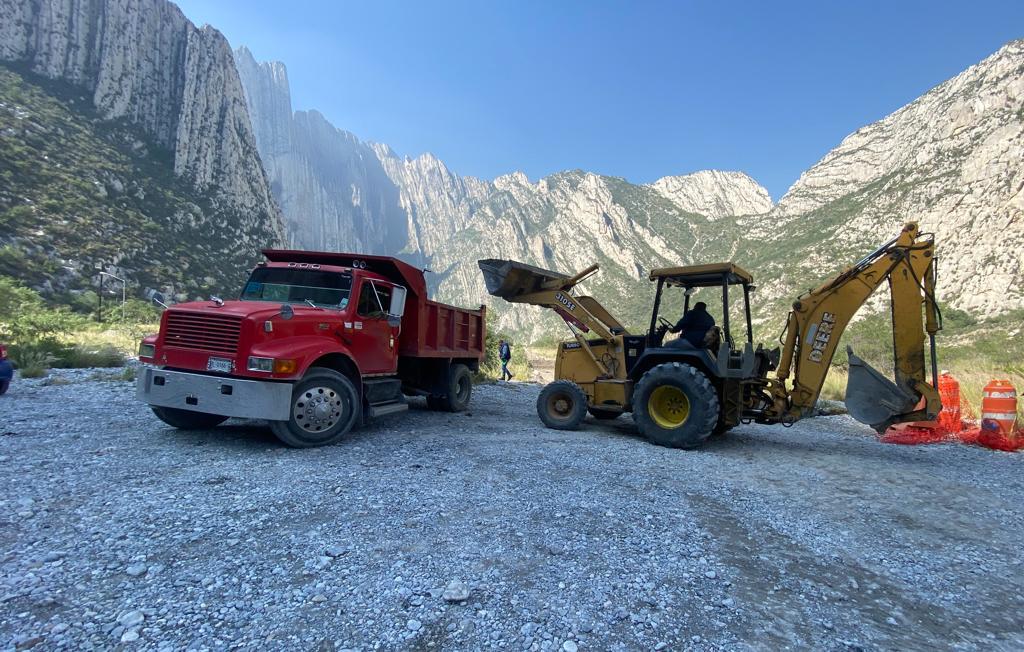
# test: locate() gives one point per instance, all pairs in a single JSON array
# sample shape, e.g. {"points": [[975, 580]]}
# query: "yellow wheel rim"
{"points": [[668, 406]]}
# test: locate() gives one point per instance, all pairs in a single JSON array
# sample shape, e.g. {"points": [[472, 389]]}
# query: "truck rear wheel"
{"points": [[675, 405], [460, 390], [324, 407], [187, 419], [562, 405]]}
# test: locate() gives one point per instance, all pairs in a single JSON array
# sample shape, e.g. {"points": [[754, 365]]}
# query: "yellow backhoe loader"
{"points": [[680, 393]]}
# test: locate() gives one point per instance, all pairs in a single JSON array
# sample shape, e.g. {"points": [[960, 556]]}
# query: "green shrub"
{"points": [[82, 356], [128, 374], [32, 363]]}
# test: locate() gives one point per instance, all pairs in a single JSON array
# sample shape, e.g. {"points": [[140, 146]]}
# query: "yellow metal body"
{"points": [[596, 360]]}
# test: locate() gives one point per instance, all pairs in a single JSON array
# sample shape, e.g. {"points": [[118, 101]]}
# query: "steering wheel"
{"points": [[666, 323]]}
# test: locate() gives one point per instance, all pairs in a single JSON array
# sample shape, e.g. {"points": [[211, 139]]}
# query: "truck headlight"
{"points": [[261, 364], [147, 350]]}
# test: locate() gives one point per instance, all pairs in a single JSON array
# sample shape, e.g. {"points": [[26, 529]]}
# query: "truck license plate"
{"points": [[222, 365]]}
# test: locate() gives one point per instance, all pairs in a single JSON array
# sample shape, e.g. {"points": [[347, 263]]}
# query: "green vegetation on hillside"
{"points": [[79, 193], [40, 335]]}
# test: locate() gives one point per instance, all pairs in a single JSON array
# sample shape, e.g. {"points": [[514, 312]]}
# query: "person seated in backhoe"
{"points": [[694, 326]]}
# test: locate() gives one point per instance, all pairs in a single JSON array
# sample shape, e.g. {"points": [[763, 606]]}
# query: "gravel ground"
{"points": [[485, 530]]}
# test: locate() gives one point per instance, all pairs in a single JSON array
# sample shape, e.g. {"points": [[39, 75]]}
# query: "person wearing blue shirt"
{"points": [[505, 355]]}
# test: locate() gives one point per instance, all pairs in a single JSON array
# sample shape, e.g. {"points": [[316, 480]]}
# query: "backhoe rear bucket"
{"points": [[872, 398], [509, 279]]}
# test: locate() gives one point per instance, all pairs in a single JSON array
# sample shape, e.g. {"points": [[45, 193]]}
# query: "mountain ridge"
{"points": [[134, 71]]}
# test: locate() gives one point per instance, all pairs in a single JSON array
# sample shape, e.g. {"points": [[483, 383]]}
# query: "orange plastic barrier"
{"points": [[997, 428], [951, 418], [943, 428]]}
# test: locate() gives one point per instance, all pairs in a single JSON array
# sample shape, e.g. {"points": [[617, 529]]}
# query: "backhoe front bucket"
{"points": [[873, 399], [509, 279]]}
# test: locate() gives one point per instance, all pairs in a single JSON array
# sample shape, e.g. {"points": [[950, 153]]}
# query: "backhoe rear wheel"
{"points": [[562, 405], [675, 405]]}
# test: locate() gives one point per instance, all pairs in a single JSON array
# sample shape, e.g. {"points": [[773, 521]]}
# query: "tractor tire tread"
{"points": [[698, 431], [579, 408]]}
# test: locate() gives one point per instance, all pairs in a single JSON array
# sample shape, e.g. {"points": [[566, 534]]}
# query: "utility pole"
{"points": [[99, 302], [124, 285]]}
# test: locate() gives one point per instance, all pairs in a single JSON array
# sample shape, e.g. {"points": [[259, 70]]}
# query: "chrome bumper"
{"points": [[231, 397]]}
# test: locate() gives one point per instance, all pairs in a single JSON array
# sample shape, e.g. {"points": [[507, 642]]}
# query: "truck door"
{"points": [[375, 339]]}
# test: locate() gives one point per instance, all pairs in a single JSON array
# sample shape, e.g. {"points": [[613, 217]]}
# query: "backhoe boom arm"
{"points": [[820, 316]]}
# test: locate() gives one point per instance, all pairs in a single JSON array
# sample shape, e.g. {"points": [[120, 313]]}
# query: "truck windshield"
{"points": [[288, 285]]}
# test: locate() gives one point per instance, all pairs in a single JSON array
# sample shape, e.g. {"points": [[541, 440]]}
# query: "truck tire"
{"points": [[562, 405], [604, 415], [460, 390], [187, 419], [324, 407], [675, 405]]}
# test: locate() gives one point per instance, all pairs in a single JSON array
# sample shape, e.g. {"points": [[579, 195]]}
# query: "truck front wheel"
{"points": [[187, 419], [324, 407], [675, 405]]}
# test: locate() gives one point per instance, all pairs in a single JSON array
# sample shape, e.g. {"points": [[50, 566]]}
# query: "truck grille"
{"points": [[191, 330]]}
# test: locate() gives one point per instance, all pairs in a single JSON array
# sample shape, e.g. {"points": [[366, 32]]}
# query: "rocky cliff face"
{"points": [[144, 64], [339, 193], [953, 159], [333, 191], [715, 193]]}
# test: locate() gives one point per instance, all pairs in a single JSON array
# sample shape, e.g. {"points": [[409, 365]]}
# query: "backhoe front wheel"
{"points": [[675, 405], [562, 405]]}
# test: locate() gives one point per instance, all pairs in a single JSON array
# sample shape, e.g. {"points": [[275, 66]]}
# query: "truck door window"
{"points": [[374, 298]]}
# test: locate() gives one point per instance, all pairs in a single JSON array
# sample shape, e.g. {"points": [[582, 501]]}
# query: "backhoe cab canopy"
{"points": [[701, 276], [704, 276]]}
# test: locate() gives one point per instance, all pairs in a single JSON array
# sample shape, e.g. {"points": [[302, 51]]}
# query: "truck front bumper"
{"points": [[230, 397]]}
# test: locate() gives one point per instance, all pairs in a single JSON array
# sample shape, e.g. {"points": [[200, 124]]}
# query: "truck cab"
{"points": [[316, 343]]}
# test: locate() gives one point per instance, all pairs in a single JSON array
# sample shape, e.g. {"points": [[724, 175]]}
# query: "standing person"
{"points": [[505, 355]]}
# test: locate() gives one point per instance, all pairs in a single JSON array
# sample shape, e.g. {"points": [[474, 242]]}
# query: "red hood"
{"points": [[254, 309]]}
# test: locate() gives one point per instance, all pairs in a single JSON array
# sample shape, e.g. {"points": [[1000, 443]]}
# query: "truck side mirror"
{"points": [[397, 308]]}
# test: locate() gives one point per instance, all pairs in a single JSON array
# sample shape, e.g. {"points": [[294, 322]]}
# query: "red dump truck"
{"points": [[316, 343]]}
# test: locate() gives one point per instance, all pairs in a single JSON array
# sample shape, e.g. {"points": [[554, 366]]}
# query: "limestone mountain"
{"points": [[332, 189], [339, 193], [127, 145], [953, 160]]}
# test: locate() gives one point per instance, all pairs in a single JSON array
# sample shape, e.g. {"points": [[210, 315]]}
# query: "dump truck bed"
{"points": [[431, 329]]}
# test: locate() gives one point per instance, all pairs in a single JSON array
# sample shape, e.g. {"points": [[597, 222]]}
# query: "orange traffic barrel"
{"points": [[999, 407]]}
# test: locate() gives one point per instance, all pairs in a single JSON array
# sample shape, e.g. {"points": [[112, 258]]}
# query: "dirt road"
{"points": [[118, 531]]}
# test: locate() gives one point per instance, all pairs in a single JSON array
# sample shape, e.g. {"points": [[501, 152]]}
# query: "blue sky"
{"points": [[632, 89]]}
